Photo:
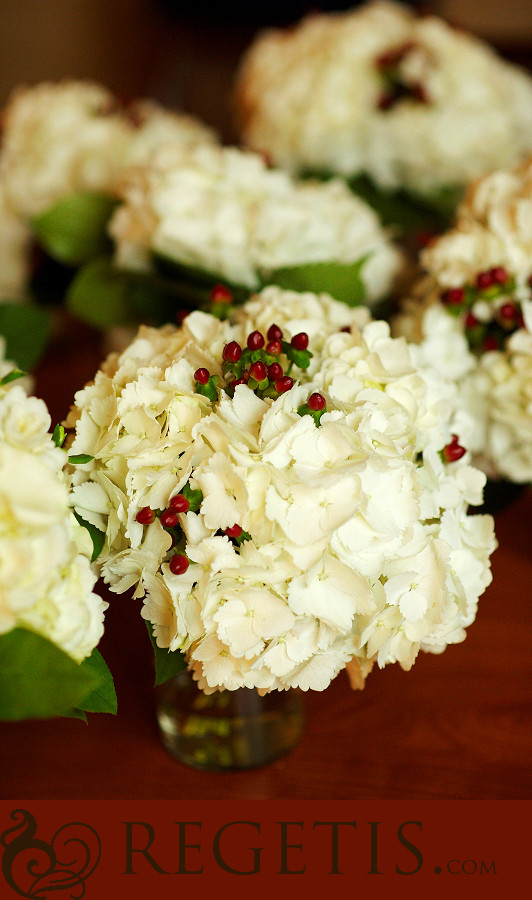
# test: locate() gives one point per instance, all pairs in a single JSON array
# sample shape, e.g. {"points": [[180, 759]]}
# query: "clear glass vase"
{"points": [[227, 729]]}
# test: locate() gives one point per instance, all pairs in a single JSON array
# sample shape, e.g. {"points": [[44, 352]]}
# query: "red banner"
{"points": [[106, 849]]}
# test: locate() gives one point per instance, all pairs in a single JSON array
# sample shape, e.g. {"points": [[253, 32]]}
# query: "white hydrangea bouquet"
{"points": [[287, 491], [472, 317], [200, 227], [404, 106], [63, 149], [50, 619]]}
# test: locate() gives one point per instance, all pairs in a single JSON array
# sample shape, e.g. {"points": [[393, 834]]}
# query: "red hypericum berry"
{"points": [[509, 311], [386, 101], [316, 401], [179, 564], [391, 58], [471, 321], [490, 343], [274, 348], [258, 370], [419, 92], [485, 280], [232, 351], [179, 503], [274, 333], [169, 518], [453, 451], [221, 294], [424, 238], [181, 315], [255, 340], [145, 516], [453, 297], [233, 531], [300, 341], [238, 381], [202, 375], [275, 371], [499, 274], [284, 384]]}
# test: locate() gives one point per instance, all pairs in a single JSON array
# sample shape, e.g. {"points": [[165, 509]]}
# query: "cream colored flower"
{"points": [[45, 582], [222, 210], [298, 545], [408, 100], [471, 315]]}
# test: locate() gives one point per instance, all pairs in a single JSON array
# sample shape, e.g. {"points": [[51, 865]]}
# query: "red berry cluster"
{"points": [[396, 87], [260, 364], [507, 317], [169, 519]]}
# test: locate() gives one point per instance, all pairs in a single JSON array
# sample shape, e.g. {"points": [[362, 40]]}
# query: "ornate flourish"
{"points": [[63, 864]]}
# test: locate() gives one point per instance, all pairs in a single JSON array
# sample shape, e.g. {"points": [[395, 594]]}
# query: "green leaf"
{"points": [[167, 662], [98, 295], [97, 536], [412, 212], [14, 375], [103, 696], [80, 459], [198, 281], [342, 280], [194, 498], [26, 329], [38, 680], [59, 435], [74, 230]]}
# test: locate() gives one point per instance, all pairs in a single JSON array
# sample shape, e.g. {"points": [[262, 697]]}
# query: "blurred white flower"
{"points": [[380, 90], [222, 210], [45, 581]]}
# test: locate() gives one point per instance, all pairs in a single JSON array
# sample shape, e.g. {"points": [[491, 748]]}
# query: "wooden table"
{"points": [[457, 726]]}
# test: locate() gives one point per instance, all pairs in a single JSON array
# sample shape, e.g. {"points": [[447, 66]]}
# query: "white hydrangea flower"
{"points": [[65, 138], [471, 315], [15, 244], [70, 136], [406, 99], [45, 581], [312, 544], [222, 210]]}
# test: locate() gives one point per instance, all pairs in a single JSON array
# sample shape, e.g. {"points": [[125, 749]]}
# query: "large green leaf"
{"points": [[411, 212], [38, 680], [103, 696], [26, 330], [74, 229], [342, 280], [167, 662], [98, 295], [194, 282]]}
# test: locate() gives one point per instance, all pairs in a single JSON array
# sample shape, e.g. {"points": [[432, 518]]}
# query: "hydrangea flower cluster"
{"points": [[223, 211], [287, 507], [66, 138], [408, 100], [471, 314], [70, 136], [45, 576]]}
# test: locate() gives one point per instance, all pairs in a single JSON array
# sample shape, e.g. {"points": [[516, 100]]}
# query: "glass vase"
{"points": [[227, 729]]}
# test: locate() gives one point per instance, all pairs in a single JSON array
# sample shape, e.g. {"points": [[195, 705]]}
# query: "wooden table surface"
{"points": [[457, 726]]}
